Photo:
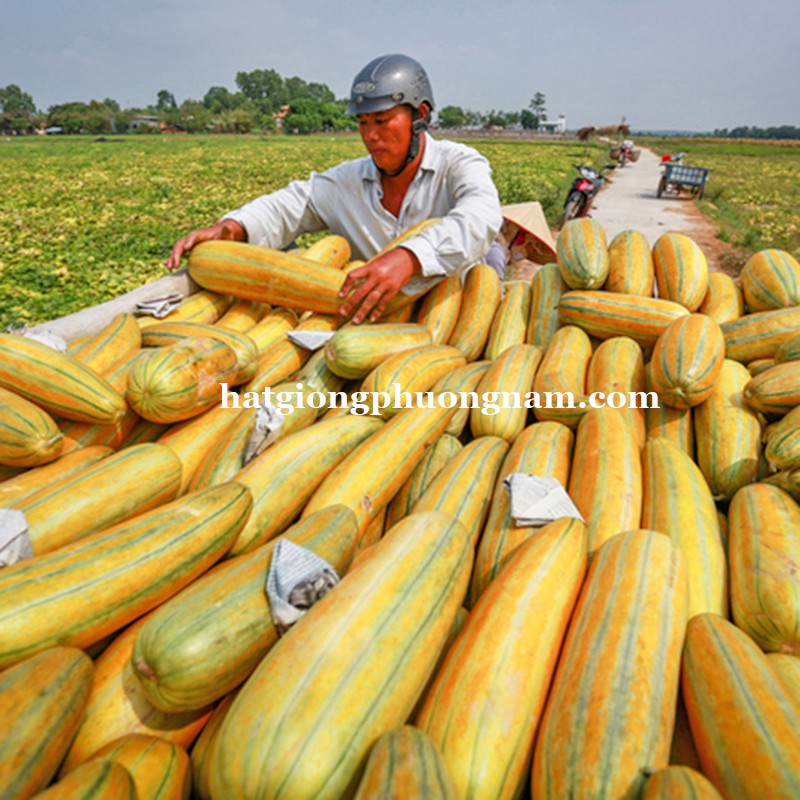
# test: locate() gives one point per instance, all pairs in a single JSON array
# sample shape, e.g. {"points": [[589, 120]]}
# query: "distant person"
{"points": [[408, 177]]}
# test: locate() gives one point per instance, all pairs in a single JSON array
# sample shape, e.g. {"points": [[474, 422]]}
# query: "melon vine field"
{"points": [[83, 221], [753, 192]]}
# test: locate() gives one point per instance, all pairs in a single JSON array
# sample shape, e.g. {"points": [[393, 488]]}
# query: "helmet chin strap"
{"points": [[418, 125]]}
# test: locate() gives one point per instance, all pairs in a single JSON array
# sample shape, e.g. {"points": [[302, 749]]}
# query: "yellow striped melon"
{"points": [[370, 476], [606, 477], [760, 334], [782, 449], [675, 424], [160, 769], [242, 315], [606, 314], [429, 466], [440, 307], [630, 264], [207, 639], [405, 763], [676, 501], [83, 592], [505, 388], [478, 711], [776, 390], [287, 475], [355, 350], [312, 709], [727, 434], [679, 783], [457, 491], [510, 323], [182, 380], [479, 301], [92, 499], [617, 365], [543, 449], [164, 334], [764, 550], [461, 381], [724, 301], [686, 360], [743, 720], [118, 706], [16, 488], [57, 382], [547, 287], [29, 436], [582, 254], [118, 339], [615, 689], [560, 381], [681, 270], [403, 376], [771, 279], [94, 780], [42, 701]]}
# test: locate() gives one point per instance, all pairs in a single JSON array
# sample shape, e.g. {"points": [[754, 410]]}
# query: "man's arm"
{"points": [[227, 230], [272, 220], [467, 228]]}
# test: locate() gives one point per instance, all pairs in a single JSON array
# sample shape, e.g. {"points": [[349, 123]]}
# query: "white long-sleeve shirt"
{"points": [[453, 182]]}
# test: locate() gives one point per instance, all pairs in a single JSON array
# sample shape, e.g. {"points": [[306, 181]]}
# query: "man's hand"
{"points": [[370, 288], [227, 230]]}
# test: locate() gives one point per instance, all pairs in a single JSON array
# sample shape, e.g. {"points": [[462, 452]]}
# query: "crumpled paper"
{"points": [[159, 307], [538, 500], [266, 430], [52, 340], [311, 340], [15, 543], [297, 579]]}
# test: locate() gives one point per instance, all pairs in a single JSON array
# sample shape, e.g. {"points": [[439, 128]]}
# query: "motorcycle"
{"points": [[583, 191]]}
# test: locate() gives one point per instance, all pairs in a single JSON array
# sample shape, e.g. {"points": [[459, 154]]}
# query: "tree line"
{"points": [[263, 101], [260, 96], [750, 132]]}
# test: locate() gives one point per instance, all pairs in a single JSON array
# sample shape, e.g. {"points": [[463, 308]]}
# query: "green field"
{"points": [[84, 221], [752, 192]]}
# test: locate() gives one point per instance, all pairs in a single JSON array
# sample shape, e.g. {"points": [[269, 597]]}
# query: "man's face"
{"points": [[387, 136]]}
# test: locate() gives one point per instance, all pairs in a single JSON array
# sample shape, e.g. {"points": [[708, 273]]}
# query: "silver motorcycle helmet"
{"points": [[389, 81]]}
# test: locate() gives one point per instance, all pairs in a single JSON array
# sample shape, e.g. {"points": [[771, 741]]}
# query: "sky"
{"points": [[679, 65]]}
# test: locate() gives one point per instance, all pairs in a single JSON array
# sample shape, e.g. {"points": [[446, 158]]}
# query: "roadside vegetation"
{"points": [[753, 191]]}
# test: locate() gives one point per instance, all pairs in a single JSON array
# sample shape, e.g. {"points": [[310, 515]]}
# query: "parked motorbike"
{"points": [[583, 191]]}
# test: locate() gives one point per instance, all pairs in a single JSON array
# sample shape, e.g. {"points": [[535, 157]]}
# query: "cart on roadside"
{"points": [[678, 177]]}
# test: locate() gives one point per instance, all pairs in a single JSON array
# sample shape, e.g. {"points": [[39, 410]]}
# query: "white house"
{"points": [[554, 126]]}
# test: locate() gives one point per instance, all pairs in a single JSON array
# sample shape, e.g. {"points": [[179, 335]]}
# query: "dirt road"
{"points": [[629, 201]]}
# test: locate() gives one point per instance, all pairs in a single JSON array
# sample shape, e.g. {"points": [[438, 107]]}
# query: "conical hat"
{"points": [[529, 218]]}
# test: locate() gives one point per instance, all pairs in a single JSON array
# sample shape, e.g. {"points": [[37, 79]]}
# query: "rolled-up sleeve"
{"points": [[465, 192], [274, 220]]}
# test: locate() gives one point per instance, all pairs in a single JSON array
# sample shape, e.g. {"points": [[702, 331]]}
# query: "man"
{"points": [[408, 177]]}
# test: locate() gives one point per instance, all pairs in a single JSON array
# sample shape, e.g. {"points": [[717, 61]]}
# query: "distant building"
{"points": [[554, 126], [139, 121]]}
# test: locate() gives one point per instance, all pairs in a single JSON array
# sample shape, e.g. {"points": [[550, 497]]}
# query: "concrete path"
{"points": [[629, 200]]}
